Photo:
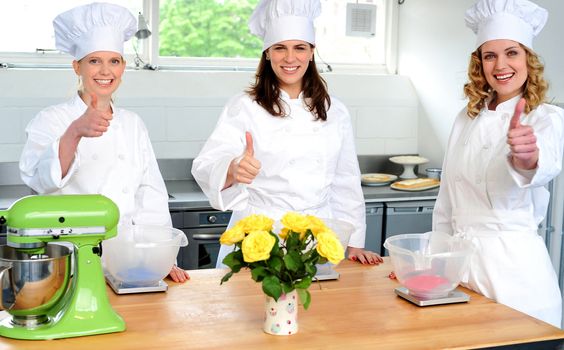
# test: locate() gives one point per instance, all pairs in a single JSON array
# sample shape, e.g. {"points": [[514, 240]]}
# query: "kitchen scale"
{"points": [[120, 287], [452, 298]]}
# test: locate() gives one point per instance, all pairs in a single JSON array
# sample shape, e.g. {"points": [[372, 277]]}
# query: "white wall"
{"points": [[180, 109], [434, 50]]}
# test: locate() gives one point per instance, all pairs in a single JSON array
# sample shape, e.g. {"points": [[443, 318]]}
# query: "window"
{"points": [[27, 25], [198, 33]]}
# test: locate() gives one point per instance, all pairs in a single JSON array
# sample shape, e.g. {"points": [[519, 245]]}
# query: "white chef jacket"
{"points": [[120, 164], [307, 166], [486, 200]]}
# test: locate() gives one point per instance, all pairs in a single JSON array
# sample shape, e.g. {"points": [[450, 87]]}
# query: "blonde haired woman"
{"points": [[504, 147]]}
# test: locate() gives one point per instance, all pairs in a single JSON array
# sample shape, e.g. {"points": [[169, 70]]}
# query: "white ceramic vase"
{"points": [[281, 317]]}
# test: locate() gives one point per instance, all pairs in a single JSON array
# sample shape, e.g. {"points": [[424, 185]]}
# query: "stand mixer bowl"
{"points": [[33, 284]]}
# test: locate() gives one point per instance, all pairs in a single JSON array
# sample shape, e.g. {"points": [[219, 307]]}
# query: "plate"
{"points": [[409, 160], [377, 179], [413, 185]]}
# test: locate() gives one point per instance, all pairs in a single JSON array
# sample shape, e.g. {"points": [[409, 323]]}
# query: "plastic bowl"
{"points": [[429, 265], [142, 255]]}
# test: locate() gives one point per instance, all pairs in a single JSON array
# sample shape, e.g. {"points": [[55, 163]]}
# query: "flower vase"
{"points": [[281, 317]]}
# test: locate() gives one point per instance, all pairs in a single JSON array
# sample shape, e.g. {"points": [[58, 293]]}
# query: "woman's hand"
{"points": [[245, 168], [93, 123], [178, 275], [364, 256], [522, 141]]}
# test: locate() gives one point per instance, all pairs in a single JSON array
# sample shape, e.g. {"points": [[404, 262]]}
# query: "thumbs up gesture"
{"points": [[94, 122], [522, 141], [245, 168]]}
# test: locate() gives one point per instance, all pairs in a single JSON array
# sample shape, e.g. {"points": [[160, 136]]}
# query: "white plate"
{"points": [[409, 160], [377, 179]]}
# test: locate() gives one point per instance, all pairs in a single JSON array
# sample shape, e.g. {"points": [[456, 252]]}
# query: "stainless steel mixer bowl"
{"points": [[33, 283]]}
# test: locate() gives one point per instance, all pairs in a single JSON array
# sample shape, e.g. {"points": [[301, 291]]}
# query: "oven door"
{"points": [[202, 249]]}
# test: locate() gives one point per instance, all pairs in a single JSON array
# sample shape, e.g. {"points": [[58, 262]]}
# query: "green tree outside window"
{"points": [[207, 28]]}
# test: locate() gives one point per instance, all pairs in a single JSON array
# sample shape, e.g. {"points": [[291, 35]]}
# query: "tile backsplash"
{"points": [[181, 109]]}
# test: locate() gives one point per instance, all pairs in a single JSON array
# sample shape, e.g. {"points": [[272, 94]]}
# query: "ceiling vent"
{"points": [[361, 20]]}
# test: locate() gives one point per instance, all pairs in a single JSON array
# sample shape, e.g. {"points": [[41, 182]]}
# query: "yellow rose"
{"points": [[295, 222], [329, 246], [284, 233], [257, 222], [316, 225], [257, 246], [233, 235]]}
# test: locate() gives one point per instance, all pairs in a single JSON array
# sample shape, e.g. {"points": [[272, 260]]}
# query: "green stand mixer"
{"points": [[45, 299]]}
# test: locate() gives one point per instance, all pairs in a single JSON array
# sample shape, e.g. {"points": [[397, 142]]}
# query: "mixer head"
{"points": [[33, 221]]}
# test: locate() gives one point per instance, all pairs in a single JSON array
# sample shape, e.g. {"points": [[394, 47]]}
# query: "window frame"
{"points": [[149, 52]]}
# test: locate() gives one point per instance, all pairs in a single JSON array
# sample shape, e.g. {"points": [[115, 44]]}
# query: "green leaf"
{"points": [[287, 287], [304, 283], [258, 273], [271, 287], [311, 269], [234, 260], [305, 297], [293, 261], [275, 263], [226, 277]]}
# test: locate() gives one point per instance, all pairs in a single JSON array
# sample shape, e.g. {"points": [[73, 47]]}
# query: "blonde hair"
{"points": [[478, 90]]}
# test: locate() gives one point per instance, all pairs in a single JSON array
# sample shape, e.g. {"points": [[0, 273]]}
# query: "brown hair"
{"points": [[265, 90], [478, 90]]}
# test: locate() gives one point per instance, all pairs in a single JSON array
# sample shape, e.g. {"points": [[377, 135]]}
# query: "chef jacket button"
{"points": [[125, 190], [121, 157], [292, 162], [478, 181], [287, 129], [457, 178], [318, 161], [486, 146], [94, 157], [505, 116]]}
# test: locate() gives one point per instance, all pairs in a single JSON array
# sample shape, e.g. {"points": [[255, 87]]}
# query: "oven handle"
{"points": [[208, 236]]}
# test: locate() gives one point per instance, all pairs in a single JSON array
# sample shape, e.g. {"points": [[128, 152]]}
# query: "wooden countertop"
{"points": [[359, 311]]}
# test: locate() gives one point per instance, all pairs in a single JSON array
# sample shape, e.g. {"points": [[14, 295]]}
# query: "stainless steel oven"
{"points": [[203, 229]]}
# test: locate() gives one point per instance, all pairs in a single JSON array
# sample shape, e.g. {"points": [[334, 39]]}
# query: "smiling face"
{"points": [[100, 72], [504, 64], [289, 60]]}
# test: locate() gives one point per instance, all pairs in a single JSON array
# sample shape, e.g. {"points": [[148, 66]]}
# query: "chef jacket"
{"points": [[120, 164], [307, 166], [498, 207]]}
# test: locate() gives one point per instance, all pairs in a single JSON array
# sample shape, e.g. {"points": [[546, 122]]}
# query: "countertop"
{"points": [[187, 195], [358, 311]]}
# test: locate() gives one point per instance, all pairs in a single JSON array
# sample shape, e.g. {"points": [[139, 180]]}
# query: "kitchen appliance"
{"points": [[203, 229], [45, 299], [429, 266], [137, 260]]}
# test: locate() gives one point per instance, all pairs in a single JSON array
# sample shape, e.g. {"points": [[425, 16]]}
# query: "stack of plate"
{"points": [[377, 179]]}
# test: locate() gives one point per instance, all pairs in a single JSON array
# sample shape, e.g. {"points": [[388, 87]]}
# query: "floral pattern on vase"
{"points": [[281, 317]]}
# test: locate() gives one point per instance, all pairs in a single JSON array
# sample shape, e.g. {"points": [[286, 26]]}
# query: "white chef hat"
{"points": [[517, 20], [279, 20], [93, 27]]}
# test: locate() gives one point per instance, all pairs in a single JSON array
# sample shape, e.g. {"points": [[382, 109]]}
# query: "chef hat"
{"points": [[517, 20], [93, 27], [279, 20]]}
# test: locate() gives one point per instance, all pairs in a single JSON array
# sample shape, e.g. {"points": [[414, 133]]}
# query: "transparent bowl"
{"points": [[142, 255], [430, 265]]}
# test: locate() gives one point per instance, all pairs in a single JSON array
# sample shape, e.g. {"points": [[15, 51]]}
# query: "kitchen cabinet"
{"points": [[374, 224], [407, 217]]}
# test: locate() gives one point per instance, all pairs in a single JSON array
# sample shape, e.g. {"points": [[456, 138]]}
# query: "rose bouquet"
{"points": [[283, 261]]}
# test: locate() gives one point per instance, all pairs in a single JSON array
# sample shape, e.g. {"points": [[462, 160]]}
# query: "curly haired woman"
{"points": [[504, 147]]}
